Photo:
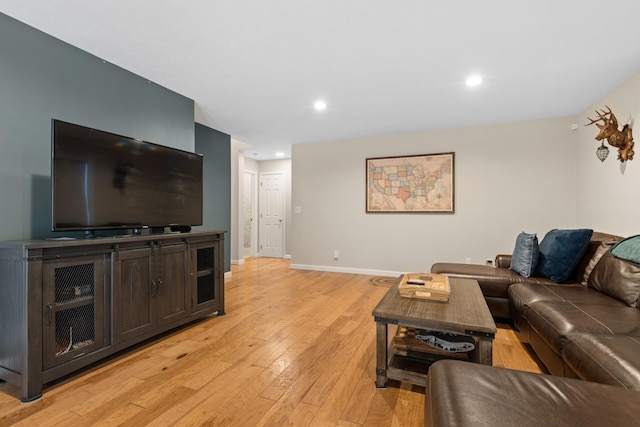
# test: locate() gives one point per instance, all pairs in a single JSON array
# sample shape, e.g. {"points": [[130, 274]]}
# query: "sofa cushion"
{"points": [[599, 245], [607, 359], [617, 278], [525, 254], [560, 252], [523, 294], [554, 320], [467, 394], [599, 249], [520, 296]]}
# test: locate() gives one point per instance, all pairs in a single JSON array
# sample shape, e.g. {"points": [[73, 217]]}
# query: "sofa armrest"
{"points": [[468, 394], [484, 274], [503, 260]]}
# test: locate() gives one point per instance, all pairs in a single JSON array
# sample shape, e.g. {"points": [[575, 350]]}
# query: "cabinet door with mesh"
{"points": [[208, 280], [73, 300], [134, 288]]}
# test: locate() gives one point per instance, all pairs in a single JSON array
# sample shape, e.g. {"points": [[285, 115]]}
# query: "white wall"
{"points": [[607, 193], [251, 165], [508, 178]]}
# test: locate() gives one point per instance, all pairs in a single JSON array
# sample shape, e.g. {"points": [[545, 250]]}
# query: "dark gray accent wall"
{"points": [[43, 78], [215, 148]]}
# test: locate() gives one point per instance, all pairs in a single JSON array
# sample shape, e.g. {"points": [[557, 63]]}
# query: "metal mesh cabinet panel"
{"points": [[73, 308]]}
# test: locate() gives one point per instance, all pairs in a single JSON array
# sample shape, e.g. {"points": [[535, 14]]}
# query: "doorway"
{"points": [[250, 215], [271, 206]]}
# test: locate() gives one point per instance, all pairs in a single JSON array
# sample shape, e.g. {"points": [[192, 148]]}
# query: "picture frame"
{"points": [[422, 183]]}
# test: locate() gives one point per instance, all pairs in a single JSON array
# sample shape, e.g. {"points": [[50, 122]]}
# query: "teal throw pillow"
{"points": [[525, 255], [627, 249], [560, 253]]}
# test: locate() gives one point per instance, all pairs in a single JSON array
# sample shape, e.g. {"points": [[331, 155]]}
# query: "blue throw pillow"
{"points": [[525, 254], [560, 253]]}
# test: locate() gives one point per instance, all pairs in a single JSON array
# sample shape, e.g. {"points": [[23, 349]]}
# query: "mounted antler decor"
{"points": [[621, 139]]}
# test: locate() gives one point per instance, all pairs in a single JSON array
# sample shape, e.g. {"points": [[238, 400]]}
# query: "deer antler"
{"points": [[601, 116], [612, 117], [606, 117]]}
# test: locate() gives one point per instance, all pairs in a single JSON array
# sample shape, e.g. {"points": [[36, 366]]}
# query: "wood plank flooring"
{"points": [[295, 348]]}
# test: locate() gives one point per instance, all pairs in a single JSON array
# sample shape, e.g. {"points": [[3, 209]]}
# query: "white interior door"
{"points": [[271, 214]]}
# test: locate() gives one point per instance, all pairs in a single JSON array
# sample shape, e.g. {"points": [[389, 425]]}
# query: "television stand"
{"points": [[67, 304]]}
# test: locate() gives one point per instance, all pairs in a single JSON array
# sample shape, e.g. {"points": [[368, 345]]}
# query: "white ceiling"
{"points": [[254, 67]]}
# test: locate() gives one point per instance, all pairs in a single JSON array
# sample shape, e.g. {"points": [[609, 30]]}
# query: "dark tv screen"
{"points": [[101, 180]]}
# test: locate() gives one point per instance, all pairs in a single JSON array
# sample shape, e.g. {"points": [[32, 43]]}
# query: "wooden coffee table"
{"points": [[466, 313]]}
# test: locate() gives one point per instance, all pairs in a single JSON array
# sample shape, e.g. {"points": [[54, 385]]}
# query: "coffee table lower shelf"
{"points": [[409, 358], [407, 369]]}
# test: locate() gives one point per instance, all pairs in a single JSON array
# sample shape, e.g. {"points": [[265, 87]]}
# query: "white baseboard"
{"points": [[227, 275], [286, 256], [237, 261], [347, 270]]}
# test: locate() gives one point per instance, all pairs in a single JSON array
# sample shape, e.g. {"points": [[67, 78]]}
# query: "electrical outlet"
{"points": [[336, 254]]}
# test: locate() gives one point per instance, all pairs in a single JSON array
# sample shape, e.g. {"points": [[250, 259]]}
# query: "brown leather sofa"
{"points": [[466, 394], [588, 328]]}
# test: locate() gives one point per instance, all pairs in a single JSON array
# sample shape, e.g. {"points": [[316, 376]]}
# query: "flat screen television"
{"points": [[104, 181]]}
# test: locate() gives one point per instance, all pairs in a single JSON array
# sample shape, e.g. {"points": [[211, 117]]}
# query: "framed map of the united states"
{"points": [[411, 184]]}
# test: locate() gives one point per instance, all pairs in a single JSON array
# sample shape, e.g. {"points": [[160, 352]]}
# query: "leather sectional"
{"points": [[586, 328]]}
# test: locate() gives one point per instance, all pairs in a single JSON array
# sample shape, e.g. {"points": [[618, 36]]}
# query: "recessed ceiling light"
{"points": [[474, 80], [279, 154], [320, 105]]}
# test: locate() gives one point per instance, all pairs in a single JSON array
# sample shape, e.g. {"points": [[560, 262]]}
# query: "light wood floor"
{"points": [[295, 348]]}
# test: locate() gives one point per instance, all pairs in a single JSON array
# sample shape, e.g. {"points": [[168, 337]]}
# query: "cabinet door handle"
{"points": [[50, 312], [153, 288], [159, 287]]}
